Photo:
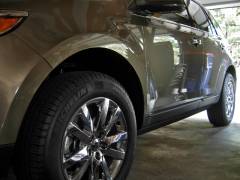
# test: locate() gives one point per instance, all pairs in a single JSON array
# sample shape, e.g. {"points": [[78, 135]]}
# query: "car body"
{"points": [[170, 64]]}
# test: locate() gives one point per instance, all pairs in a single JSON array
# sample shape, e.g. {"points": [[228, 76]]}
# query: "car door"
{"points": [[200, 24], [175, 54], [214, 51]]}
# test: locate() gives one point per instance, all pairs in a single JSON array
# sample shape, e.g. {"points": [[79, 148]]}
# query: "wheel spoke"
{"points": [[122, 136], [84, 168], [105, 168], [103, 113], [87, 119], [80, 157], [113, 153], [82, 135], [114, 118], [92, 174], [94, 168]]}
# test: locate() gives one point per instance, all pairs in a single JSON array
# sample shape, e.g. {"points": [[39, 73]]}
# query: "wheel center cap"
{"points": [[95, 144]]}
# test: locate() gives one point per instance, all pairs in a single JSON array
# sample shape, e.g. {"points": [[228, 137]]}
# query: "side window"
{"points": [[198, 16], [215, 25], [212, 30]]}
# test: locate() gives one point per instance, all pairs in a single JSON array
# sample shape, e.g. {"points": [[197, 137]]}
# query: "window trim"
{"points": [[218, 35], [193, 28], [206, 12], [175, 23], [214, 28]]}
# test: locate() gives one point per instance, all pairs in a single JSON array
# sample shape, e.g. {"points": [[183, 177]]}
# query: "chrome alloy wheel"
{"points": [[95, 141], [229, 98]]}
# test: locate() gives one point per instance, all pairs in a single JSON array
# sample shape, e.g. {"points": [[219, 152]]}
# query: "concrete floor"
{"points": [[189, 150]]}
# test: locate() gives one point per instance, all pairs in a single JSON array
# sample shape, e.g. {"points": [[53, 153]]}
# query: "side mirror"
{"points": [[158, 5]]}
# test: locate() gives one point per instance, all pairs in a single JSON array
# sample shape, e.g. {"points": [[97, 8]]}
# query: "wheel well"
{"points": [[112, 64], [232, 71]]}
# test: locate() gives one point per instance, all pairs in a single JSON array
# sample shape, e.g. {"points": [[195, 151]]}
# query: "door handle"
{"points": [[196, 41]]}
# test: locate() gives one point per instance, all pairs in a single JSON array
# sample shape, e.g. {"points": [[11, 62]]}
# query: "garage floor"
{"points": [[189, 150]]}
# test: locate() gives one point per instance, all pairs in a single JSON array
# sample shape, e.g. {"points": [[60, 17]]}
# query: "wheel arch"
{"points": [[225, 69], [113, 64], [80, 61], [231, 69]]}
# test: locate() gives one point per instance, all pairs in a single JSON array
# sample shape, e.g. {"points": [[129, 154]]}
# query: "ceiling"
{"points": [[214, 4]]}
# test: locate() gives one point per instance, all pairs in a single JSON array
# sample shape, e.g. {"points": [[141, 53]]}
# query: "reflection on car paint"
{"points": [[207, 73]]}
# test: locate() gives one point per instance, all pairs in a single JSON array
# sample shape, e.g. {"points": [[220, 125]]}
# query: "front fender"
{"points": [[128, 50], [33, 77], [22, 72]]}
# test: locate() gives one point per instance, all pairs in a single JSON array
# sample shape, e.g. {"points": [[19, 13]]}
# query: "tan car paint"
{"points": [[57, 29]]}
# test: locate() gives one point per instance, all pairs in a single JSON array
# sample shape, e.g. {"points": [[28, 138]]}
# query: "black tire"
{"points": [[39, 147], [219, 114]]}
